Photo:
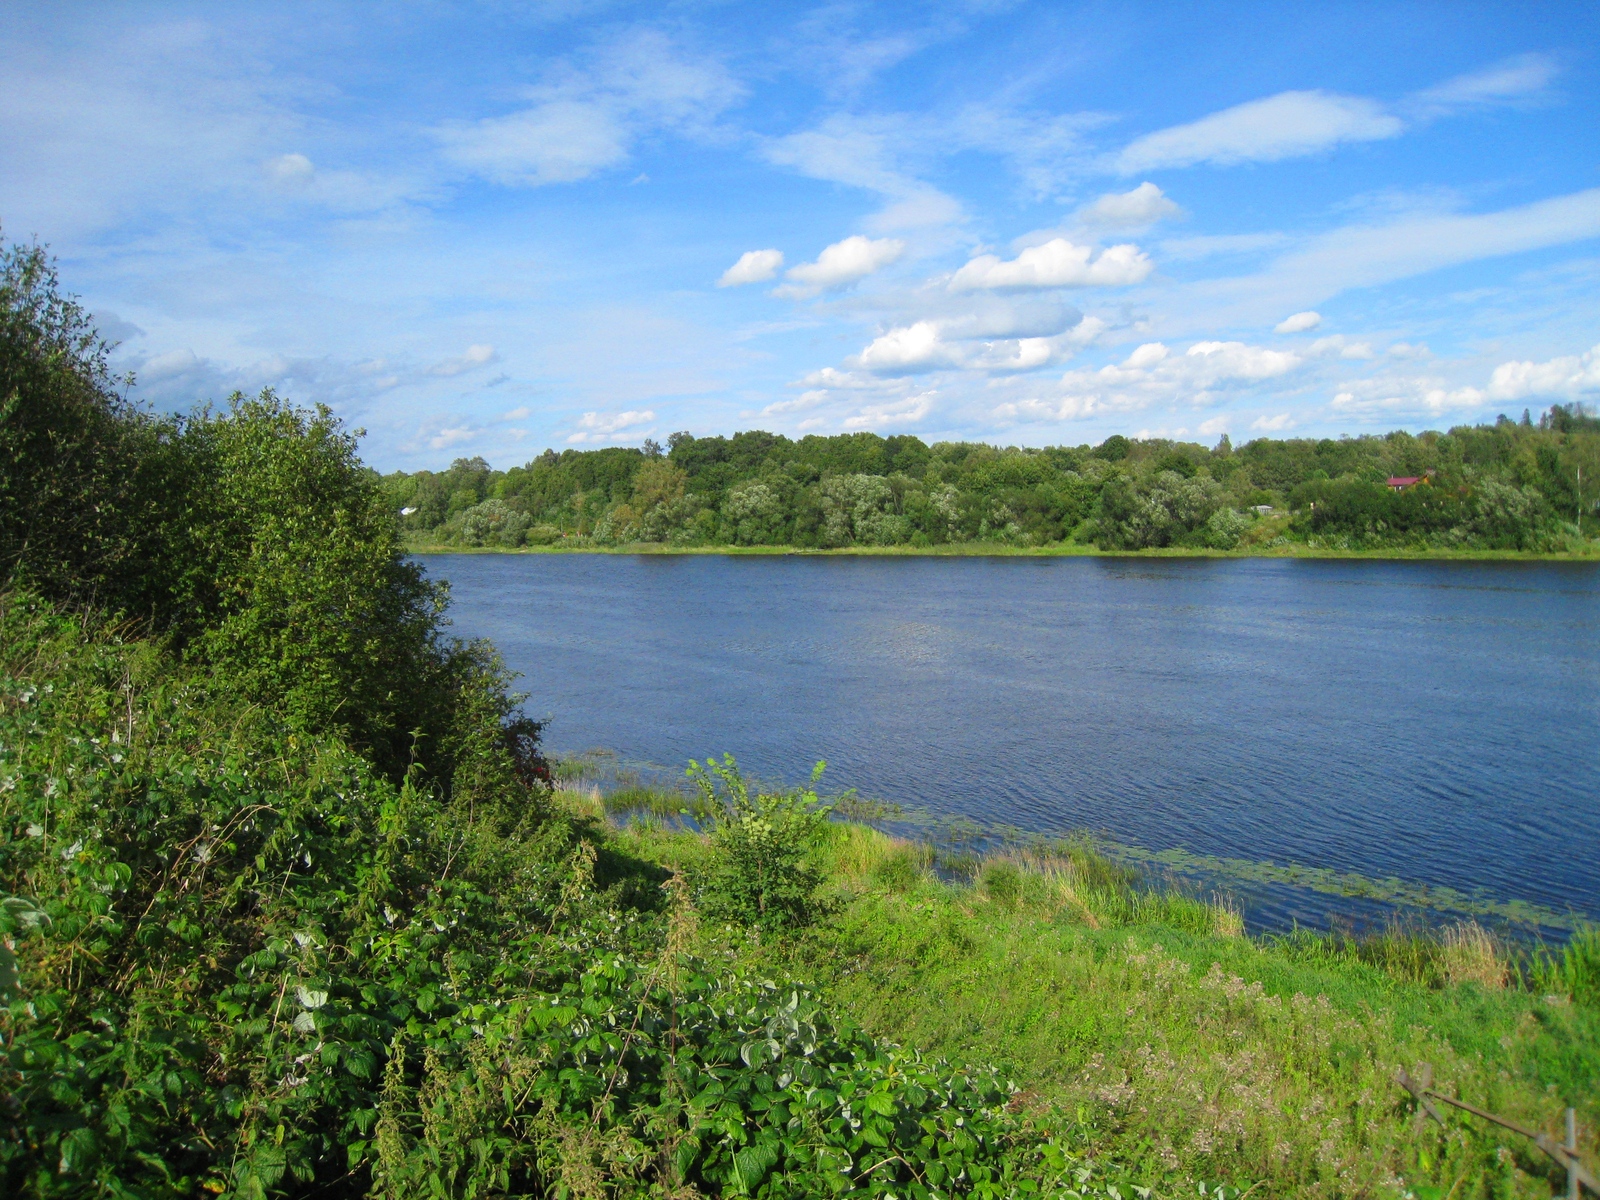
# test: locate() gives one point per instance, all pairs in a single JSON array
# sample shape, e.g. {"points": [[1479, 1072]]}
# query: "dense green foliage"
{"points": [[82, 474], [1509, 486], [253, 540], [250, 963]]}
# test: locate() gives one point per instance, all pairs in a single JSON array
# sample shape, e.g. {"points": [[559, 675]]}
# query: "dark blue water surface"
{"points": [[1439, 722]]}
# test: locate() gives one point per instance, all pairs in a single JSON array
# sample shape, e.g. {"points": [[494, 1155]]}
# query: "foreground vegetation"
{"points": [[1145, 1026], [289, 906], [1507, 488]]}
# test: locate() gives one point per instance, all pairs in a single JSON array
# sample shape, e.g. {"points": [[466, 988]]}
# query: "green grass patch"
{"points": [[1142, 1020]]}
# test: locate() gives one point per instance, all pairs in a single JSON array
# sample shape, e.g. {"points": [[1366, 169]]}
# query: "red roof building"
{"points": [[1401, 482]]}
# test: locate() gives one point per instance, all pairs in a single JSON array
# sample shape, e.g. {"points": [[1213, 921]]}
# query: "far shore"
{"points": [[1590, 553]]}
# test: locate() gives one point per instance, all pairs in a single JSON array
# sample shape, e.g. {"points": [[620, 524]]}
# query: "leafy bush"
{"points": [[1158, 511], [491, 523], [1225, 527], [297, 590], [81, 470], [760, 873], [251, 965]]}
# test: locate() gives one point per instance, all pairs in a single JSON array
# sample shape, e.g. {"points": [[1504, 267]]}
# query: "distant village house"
{"points": [[1400, 483]]}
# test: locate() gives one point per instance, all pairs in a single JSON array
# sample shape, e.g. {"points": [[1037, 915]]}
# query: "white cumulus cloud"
{"points": [[1393, 397], [840, 264], [754, 266], [453, 436], [1288, 125], [1273, 424], [289, 168], [915, 347], [1153, 375], [1143, 206], [1221, 361], [1340, 346], [1298, 322], [897, 412], [597, 426], [970, 344], [1569, 377], [1056, 263]]}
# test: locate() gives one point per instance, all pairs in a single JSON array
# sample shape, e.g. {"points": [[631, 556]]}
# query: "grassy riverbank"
{"points": [[1146, 1027], [1589, 552]]}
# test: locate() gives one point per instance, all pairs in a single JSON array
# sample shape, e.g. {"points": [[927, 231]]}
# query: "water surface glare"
{"points": [[1438, 722]]}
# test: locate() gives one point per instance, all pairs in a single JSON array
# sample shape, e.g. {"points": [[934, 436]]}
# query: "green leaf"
{"points": [[750, 1165]]}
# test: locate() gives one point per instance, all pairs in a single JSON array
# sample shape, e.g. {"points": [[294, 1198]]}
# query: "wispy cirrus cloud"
{"points": [[471, 359], [870, 153], [1288, 125], [1519, 80], [1313, 270], [1293, 124], [588, 112]]}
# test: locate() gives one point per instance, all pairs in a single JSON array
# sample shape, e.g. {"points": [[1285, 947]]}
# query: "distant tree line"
{"points": [[1525, 485]]}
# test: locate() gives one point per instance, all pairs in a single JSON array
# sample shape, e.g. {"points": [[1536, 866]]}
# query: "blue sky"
{"points": [[492, 228]]}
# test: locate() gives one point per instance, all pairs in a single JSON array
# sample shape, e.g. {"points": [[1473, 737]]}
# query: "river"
{"points": [[1437, 722]]}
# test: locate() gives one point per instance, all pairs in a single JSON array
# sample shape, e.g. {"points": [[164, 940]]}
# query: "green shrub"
{"points": [[254, 537], [761, 873], [299, 594]]}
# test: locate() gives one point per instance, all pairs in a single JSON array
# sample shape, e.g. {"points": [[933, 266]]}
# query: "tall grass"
{"points": [[1139, 1020]]}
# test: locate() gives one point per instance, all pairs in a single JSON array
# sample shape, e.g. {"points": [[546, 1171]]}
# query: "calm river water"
{"points": [[1438, 722]]}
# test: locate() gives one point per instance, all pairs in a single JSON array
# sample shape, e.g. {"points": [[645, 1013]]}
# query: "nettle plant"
{"points": [[760, 872]]}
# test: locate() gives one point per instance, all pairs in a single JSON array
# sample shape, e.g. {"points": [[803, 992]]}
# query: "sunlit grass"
{"points": [[1138, 1017]]}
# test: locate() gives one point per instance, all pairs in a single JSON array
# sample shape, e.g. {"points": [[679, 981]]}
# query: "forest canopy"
{"points": [[1513, 485]]}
